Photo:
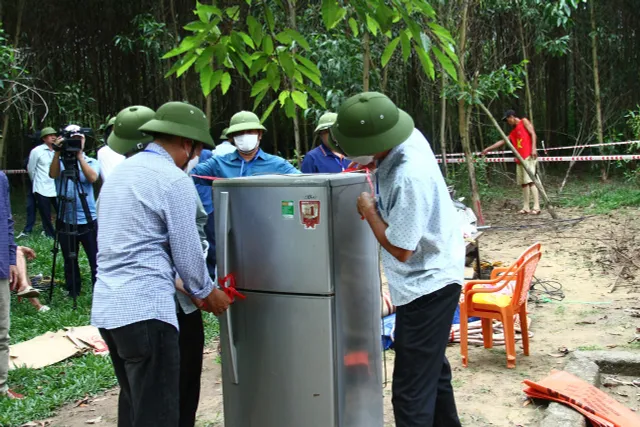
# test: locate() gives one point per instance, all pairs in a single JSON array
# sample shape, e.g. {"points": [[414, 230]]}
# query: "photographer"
{"points": [[72, 212]]}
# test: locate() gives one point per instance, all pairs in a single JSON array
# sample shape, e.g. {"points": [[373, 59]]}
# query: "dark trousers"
{"points": [[44, 205], [422, 391], [88, 236], [209, 230], [31, 210], [146, 360], [191, 351]]}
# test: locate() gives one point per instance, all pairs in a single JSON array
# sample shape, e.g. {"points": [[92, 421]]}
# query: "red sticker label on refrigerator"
{"points": [[310, 213]]}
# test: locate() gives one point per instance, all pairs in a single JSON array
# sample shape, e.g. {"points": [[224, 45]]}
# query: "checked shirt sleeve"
{"points": [[180, 206]]}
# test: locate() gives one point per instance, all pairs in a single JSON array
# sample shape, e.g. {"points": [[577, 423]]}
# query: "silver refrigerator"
{"points": [[303, 349]]}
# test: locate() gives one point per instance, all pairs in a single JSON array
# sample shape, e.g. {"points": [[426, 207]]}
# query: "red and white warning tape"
{"points": [[14, 171], [549, 149], [548, 159]]}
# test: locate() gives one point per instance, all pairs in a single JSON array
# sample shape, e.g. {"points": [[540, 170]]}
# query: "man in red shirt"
{"points": [[524, 139]]}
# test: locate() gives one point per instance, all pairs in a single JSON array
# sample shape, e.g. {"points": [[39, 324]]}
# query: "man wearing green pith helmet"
{"points": [[127, 140], [322, 159], [245, 131], [423, 250], [148, 234], [107, 157], [226, 146]]}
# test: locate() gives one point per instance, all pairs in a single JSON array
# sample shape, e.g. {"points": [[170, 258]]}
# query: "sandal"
{"points": [[28, 292], [535, 212], [523, 212], [13, 395]]}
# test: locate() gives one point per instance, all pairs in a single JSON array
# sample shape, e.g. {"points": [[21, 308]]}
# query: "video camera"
{"points": [[71, 142]]}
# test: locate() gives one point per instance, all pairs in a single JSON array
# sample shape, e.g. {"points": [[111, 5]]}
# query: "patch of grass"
{"points": [[211, 327], [457, 383], [591, 312], [560, 310], [49, 388], [603, 198], [590, 347], [634, 345]]}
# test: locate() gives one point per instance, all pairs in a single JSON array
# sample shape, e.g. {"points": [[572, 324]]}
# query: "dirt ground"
{"points": [[488, 394]]}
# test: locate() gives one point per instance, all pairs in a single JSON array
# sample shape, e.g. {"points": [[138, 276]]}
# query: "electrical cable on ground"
{"points": [[542, 291]]}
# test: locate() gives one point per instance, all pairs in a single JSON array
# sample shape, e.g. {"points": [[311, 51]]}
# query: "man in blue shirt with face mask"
{"points": [[322, 159], [245, 131]]}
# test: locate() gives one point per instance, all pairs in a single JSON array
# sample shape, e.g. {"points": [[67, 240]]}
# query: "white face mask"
{"points": [[361, 160], [192, 164], [246, 143]]}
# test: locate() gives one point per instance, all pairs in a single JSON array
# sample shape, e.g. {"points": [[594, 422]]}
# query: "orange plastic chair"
{"points": [[536, 247], [486, 299]]}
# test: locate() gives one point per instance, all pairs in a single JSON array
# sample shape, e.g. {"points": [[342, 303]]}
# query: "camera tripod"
{"points": [[70, 176]]}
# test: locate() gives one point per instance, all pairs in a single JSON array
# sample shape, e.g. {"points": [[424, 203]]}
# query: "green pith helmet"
{"points": [[125, 136], [223, 135], [326, 121], [370, 123], [244, 120], [110, 123], [180, 119], [47, 131]]}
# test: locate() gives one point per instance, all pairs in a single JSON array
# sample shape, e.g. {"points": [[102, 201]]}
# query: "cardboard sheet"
{"points": [[54, 347]]}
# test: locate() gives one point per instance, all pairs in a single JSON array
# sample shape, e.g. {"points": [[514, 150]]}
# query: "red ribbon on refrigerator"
{"points": [[230, 289]]}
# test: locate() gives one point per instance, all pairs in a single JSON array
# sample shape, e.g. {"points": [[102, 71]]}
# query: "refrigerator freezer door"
{"points": [[285, 362], [270, 248]]}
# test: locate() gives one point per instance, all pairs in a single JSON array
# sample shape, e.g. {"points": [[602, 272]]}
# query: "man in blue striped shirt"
{"points": [[146, 234]]}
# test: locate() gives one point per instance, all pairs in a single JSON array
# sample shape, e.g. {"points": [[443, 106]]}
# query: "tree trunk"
{"points": [[7, 112], [365, 61], [596, 84], [183, 78], [532, 175], [443, 125], [274, 127], [296, 124], [463, 122], [527, 86]]}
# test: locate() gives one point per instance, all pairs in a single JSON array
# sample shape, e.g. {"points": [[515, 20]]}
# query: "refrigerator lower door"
{"points": [[284, 358]]}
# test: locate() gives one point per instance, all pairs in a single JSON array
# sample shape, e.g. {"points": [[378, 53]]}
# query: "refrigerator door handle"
{"points": [[225, 319]]}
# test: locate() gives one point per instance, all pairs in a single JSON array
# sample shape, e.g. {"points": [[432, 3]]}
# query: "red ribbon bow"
{"points": [[230, 289]]}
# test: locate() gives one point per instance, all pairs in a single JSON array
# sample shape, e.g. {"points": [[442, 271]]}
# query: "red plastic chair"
{"points": [[486, 299]]}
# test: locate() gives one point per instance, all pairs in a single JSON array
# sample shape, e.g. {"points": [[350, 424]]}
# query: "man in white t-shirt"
{"points": [[108, 158]]}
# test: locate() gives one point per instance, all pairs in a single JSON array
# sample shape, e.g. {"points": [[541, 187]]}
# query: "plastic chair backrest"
{"points": [[536, 247], [524, 277]]}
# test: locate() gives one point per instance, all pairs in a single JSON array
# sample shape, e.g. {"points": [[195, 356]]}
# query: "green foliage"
{"points": [[459, 178], [273, 60], [599, 199], [149, 36], [488, 87], [75, 104], [410, 22], [633, 122], [276, 59]]}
